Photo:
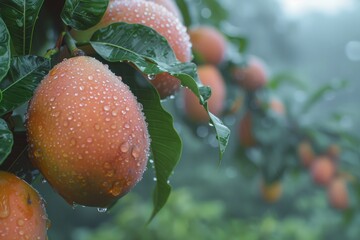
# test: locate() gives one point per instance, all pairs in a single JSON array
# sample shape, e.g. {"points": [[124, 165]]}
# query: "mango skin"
{"points": [[208, 43], [22, 211], [338, 194], [87, 133], [253, 76], [323, 170], [160, 19]]}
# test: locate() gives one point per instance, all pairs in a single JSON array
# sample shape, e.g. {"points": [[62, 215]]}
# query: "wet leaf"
{"points": [[20, 17], [6, 141], [166, 145], [83, 14], [151, 54], [25, 74], [5, 52]]}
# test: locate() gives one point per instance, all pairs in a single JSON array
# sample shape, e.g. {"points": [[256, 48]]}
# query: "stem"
{"points": [[71, 44], [56, 49]]}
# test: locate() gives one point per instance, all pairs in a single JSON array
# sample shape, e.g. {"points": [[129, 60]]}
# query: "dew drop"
{"points": [[102, 210], [116, 189], [114, 113], [110, 173], [4, 206], [151, 77], [72, 142], [55, 114], [97, 126], [107, 165], [127, 125], [90, 77], [89, 140], [125, 147], [135, 152], [20, 222], [106, 185], [106, 108]]}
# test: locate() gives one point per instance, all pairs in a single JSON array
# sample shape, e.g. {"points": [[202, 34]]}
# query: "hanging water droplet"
{"points": [[151, 77], [102, 210]]}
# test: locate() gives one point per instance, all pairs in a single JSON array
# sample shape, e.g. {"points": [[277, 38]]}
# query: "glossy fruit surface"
{"points": [[87, 133], [323, 170], [246, 135], [305, 153], [22, 211], [208, 43], [209, 76], [161, 20], [338, 194], [252, 76]]}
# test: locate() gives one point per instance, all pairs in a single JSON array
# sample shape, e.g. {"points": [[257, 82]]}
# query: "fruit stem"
{"points": [[71, 44], [56, 49]]}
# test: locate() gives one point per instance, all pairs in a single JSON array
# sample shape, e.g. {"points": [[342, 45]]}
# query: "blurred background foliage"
{"points": [[312, 54]]}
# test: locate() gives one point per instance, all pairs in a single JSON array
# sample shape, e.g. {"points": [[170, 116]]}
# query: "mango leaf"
{"points": [[6, 140], [4, 50], [20, 17], [185, 11], [83, 14], [25, 74], [151, 54], [321, 92], [166, 145], [286, 78]]}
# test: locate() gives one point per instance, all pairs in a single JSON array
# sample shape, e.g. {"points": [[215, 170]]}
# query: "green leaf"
{"points": [[20, 17], [151, 54], [5, 52], [25, 74], [286, 78], [83, 14], [321, 92], [239, 41], [185, 11], [166, 145], [6, 140]]}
